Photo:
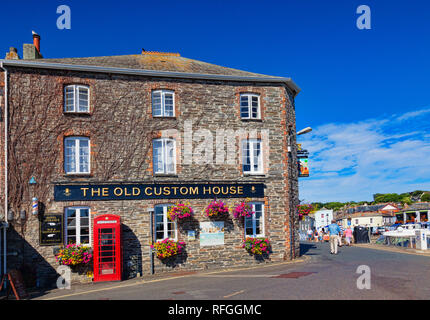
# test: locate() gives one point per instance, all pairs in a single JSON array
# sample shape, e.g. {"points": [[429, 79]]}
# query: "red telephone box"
{"points": [[107, 248]]}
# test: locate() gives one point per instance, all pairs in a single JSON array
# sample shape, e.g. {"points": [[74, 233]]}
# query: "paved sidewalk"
{"points": [[80, 288]]}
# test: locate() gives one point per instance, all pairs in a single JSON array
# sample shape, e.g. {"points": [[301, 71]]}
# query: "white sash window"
{"points": [[164, 228], [164, 156], [163, 103], [77, 155], [250, 106], [76, 98], [252, 158]]}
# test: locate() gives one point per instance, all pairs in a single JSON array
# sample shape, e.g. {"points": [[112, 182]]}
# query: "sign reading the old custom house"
{"points": [[51, 229], [156, 191]]}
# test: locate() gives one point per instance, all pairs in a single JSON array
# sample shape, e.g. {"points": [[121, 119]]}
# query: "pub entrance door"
{"points": [[107, 248]]}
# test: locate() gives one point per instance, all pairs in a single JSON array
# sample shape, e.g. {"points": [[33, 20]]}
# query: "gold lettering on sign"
{"points": [[166, 191], [93, 191], [194, 190], [233, 190], [206, 190], [216, 190], [125, 192], [240, 190], [174, 190], [155, 191], [146, 191], [118, 191], [183, 190], [84, 190], [105, 192], [136, 191]]}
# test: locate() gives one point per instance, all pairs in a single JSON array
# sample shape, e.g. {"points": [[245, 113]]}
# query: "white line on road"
{"points": [[234, 294]]}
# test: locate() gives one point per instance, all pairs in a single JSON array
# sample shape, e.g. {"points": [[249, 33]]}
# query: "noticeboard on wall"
{"points": [[51, 230], [211, 233]]}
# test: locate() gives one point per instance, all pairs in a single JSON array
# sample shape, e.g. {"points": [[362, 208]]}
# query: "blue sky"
{"points": [[359, 82]]}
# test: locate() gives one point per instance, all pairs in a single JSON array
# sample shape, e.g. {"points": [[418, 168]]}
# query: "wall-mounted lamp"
{"points": [[305, 130]]}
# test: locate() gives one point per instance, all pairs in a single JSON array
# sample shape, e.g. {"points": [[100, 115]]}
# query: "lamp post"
{"points": [[293, 220], [151, 228], [305, 130]]}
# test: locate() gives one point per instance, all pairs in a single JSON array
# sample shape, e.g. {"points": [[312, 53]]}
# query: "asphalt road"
{"points": [[322, 276]]}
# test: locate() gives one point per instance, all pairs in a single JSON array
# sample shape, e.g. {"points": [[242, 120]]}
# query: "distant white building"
{"points": [[323, 218]]}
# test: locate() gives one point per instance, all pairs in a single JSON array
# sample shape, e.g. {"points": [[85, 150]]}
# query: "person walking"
{"points": [[316, 235], [348, 236], [310, 233], [334, 231]]}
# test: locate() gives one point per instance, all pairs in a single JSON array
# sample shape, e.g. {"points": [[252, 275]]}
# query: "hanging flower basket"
{"points": [[74, 255], [216, 209], [168, 248], [304, 209], [257, 246], [180, 211], [243, 209]]}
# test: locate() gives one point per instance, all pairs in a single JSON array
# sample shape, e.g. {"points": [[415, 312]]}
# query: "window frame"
{"points": [[163, 93], [249, 96], [166, 223], [77, 155], [164, 156], [253, 220], [252, 171], [76, 99], [78, 226]]}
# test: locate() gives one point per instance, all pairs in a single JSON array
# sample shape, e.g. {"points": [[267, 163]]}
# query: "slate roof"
{"points": [[155, 61]]}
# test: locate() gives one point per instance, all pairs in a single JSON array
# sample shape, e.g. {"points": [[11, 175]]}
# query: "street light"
{"points": [[305, 130]]}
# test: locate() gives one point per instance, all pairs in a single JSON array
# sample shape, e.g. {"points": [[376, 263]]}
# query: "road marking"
{"points": [[298, 260], [234, 294]]}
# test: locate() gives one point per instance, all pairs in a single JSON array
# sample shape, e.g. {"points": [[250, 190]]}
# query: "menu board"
{"points": [[51, 230]]}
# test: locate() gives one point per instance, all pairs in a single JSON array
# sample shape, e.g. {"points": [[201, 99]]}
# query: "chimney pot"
{"points": [[36, 41]]}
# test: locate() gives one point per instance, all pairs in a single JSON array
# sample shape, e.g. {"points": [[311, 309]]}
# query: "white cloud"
{"points": [[352, 161], [413, 114]]}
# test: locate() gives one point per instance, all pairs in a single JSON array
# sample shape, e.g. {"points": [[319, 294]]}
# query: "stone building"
{"points": [[131, 135]]}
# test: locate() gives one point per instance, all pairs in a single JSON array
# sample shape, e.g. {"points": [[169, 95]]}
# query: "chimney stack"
{"points": [[36, 41], [12, 54], [31, 51]]}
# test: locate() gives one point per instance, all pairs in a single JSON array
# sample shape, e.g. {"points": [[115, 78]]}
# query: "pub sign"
{"points": [[156, 191]]}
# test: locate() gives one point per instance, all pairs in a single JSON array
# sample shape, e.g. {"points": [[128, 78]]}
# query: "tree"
{"points": [[425, 197]]}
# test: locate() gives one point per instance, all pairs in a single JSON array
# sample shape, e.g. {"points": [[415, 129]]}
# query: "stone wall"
{"points": [[121, 128]]}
